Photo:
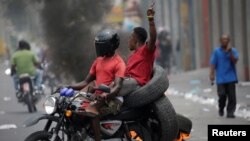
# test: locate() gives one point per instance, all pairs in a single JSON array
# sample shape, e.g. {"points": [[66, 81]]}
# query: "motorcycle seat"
{"points": [[25, 75]]}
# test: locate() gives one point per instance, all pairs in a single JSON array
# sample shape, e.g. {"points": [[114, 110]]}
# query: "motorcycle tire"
{"points": [[139, 133], [166, 128], [150, 92], [30, 103], [39, 135]]}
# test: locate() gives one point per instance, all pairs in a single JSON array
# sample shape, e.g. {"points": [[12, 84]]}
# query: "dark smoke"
{"points": [[68, 31], [16, 13]]}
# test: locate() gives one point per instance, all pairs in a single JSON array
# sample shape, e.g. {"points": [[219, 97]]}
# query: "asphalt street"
{"points": [[190, 93], [12, 113], [193, 96]]}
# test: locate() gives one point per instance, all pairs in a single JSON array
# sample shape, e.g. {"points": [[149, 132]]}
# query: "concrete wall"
{"points": [[248, 32], [225, 16], [238, 38], [197, 34], [214, 23]]}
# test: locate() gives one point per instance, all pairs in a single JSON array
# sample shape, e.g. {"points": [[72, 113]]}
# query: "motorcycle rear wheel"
{"points": [[40, 136], [30, 103]]}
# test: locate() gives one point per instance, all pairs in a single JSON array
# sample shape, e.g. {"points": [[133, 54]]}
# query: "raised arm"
{"points": [[152, 29]]}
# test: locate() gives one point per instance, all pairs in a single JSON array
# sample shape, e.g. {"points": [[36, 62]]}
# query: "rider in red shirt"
{"points": [[140, 63], [106, 69]]}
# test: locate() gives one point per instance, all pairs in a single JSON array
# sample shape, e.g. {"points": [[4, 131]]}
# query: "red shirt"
{"points": [[105, 69], [140, 65]]}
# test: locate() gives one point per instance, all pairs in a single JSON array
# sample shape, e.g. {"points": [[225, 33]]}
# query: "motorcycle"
{"points": [[146, 115], [26, 93], [72, 122]]}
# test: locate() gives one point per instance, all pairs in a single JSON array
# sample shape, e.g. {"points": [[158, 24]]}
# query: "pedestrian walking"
{"points": [[165, 50], [223, 62]]}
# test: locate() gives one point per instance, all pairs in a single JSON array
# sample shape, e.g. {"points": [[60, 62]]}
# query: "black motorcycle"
{"points": [[147, 114], [26, 93], [72, 122]]}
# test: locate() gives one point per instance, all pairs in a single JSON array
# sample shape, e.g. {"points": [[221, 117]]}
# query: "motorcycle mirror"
{"points": [[104, 88], [7, 71]]}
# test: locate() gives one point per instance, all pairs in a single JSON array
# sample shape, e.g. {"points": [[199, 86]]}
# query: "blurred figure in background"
{"points": [[25, 61], [165, 50], [223, 62]]}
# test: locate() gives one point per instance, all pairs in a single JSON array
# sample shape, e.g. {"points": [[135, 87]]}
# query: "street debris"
{"points": [[244, 84], [206, 110], [6, 98], [208, 90], [194, 82], [2, 112], [7, 126], [247, 96], [242, 111]]}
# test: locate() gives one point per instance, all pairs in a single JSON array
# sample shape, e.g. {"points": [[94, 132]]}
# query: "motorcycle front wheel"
{"points": [[40, 136]]}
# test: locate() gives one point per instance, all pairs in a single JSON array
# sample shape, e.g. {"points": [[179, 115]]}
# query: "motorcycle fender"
{"points": [[26, 87], [36, 118]]}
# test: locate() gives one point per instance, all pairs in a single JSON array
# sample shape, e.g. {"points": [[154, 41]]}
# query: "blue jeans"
{"points": [[37, 79]]}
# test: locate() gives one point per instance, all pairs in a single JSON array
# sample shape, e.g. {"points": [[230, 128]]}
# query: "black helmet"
{"points": [[106, 42]]}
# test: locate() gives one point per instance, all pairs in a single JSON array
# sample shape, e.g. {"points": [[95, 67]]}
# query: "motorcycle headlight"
{"points": [[50, 105]]}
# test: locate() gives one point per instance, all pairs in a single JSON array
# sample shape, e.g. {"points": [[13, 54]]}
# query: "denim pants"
{"points": [[129, 85], [37, 79]]}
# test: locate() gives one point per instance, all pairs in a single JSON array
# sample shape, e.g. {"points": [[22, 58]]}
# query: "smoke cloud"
{"points": [[68, 27]]}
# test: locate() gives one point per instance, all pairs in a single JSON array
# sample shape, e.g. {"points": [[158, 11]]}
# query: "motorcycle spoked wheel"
{"points": [[139, 133], [40, 136]]}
